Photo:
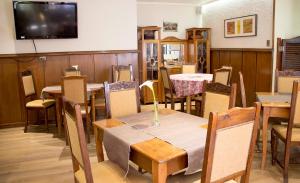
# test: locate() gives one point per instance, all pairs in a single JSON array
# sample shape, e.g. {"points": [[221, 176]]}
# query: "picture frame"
{"points": [[244, 26], [170, 26]]}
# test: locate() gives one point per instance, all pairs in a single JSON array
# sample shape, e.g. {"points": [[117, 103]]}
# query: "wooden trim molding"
{"points": [[243, 49], [67, 53]]}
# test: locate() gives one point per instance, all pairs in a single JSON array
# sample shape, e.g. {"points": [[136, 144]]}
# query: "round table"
{"points": [[55, 92], [187, 85]]}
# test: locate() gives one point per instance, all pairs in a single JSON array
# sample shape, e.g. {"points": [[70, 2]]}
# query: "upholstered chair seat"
{"points": [[107, 171], [40, 103], [282, 129]]}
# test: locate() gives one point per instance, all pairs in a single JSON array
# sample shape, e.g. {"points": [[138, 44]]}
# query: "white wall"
{"points": [[102, 25], [214, 14], [149, 14]]}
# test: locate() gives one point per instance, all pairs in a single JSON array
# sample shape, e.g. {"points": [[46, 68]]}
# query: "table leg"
{"points": [[159, 172], [188, 104], [266, 115], [58, 115], [98, 140], [93, 107]]}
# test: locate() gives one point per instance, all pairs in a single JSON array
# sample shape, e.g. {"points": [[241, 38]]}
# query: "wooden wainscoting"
{"points": [[255, 64], [95, 65]]}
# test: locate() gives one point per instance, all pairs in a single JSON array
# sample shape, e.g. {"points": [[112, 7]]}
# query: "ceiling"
{"points": [[196, 2]]}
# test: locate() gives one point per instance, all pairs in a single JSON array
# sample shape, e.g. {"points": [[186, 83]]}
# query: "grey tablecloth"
{"points": [[180, 129], [274, 98]]}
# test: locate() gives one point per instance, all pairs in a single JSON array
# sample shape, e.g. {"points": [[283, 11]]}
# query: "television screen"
{"points": [[45, 20]]}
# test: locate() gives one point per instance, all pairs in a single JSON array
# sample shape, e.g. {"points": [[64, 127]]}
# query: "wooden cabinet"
{"points": [[198, 49], [149, 61]]}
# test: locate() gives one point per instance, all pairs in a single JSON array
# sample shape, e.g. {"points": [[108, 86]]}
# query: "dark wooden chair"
{"points": [[289, 134], [74, 89], [243, 91], [236, 127], [284, 80], [122, 73], [84, 171], [31, 99], [217, 98], [169, 90], [222, 75], [122, 99]]}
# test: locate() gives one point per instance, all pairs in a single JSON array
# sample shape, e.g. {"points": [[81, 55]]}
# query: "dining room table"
{"points": [[55, 92], [176, 144], [273, 105], [188, 85]]}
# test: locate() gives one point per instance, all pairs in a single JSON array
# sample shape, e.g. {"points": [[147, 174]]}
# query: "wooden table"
{"points": [[273, 105], [155, 156], [187, 85], [55, 92]]}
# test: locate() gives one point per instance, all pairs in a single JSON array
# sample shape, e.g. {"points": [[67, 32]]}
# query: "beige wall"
{"points": [[149, 14], [102, 25], [214, 14]]}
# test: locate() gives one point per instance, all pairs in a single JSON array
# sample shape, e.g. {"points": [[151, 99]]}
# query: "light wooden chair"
{"points": [[29, 93], [230, 145], [222, 76], [284, 80], [289, 134], [217, 98], [74, 89], [84, 171], [72, 72], [189, 68], [122, 73], [243, 92], [169, 90], [122, 99]]}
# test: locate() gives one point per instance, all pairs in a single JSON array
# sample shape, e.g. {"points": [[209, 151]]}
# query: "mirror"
{"points": [[173, 50]]}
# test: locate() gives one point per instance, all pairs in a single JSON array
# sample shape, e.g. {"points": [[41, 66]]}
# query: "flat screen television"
{"points": [[45, 20]]}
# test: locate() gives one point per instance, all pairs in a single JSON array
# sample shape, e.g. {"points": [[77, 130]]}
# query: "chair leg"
{"points": [[26, 123], [166, 102], [46, 119], [172, 104], [88, 126], [286, 162], [55, 116], [182, 105], [273, 146]]}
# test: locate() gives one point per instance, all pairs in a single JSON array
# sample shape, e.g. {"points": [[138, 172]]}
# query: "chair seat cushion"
{"points": [[168, 95], [107, 171], [40, 103], [282, 129]]}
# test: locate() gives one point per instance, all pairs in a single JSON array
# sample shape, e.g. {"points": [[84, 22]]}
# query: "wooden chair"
{"points": [[217, 98], [74, 89], [222, 76], [189, 68], [29, 93], [169, 90], [84, 171], [230, 145], [243, 92], [122, 73], [289, 134], [72, 72], [284, 80], [122, 99]]}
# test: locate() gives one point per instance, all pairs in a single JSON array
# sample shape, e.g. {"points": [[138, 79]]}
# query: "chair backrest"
{"points": [[74, 89], [122, 99], [76, 136], [285, 79], [27, 83], [122, 73], [217, 98], [295, 109], [222, 76], [230, 144], [189, 68], [168, 86], [243, 92], [72, 72]]}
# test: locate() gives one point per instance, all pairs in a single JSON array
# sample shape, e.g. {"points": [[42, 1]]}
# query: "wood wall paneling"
{"points": [[103, 67], [215, 60], [224, 58], [249, 73], [264, 72], [54, 69], [85, 64], [236, 60]]}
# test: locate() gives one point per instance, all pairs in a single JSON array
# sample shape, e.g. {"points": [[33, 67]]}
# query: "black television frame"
{"points": [[18, 37]]}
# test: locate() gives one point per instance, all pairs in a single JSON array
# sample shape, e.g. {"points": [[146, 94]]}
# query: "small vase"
{"points": [[156, 120]]}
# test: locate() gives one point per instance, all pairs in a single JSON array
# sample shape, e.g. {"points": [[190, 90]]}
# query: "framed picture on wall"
{"points": [[170, 27], [240, 26]]}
